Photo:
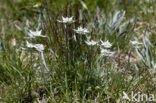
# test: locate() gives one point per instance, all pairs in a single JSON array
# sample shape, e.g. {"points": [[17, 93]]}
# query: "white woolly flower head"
{"points": [[81, 30], [91, 43], [13, 42], [135, 43], [106, 44], [36, 5], [29, 45], [33, 34], [66, 20], [38, 47], [105, 52]]}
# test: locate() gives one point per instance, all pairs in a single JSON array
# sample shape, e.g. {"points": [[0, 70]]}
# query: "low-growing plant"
{"points": [[75, 54]]}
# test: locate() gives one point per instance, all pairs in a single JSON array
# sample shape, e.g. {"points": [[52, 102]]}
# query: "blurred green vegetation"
{"points": [[24, 8]]}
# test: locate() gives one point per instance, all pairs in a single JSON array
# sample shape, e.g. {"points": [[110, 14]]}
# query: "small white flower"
{"points": [[125, 96], [81, 30], [106, 52], [33, 34], [91, 43], [36, 5], [88, 37], [135, 43], [38, 47], [106, 44], [66, 20], [29, 45], [13, 42]]}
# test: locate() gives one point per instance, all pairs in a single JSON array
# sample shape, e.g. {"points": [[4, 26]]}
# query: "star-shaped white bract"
{"points": [[34, 34], [91, 43], [106, 44], [81, 30], [66, 20]]}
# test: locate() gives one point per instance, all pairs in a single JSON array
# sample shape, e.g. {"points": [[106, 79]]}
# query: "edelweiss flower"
{"points": [[91, 43], [136, 43], [88, 37], [66, 20], [106, 44], [38, 47], [33, 34], [29, 45], [106, 52], [13, 42], [36, 5], [81, 30]]}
